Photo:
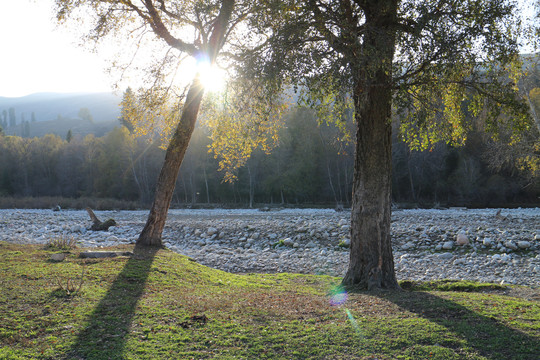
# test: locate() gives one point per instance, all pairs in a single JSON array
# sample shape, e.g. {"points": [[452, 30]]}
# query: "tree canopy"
{"points": [[205, 31], [434, 61]]}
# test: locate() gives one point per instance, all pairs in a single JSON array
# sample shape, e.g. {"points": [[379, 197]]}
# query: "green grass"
{"points": [[161, 305]]}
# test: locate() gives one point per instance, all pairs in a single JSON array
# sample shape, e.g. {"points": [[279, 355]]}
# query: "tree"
{"points": [[12, 118], [368, 54], [213, 23], [69, 136], [5, 118], [127, 102], [86, 115], [25, 129]]}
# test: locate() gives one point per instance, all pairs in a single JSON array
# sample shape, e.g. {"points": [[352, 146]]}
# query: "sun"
{"points": [[211, 77]]}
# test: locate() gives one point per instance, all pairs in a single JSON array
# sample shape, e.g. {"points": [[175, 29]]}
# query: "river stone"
{"points": [[446, 256], [79, 229], [448, 245], [511, 245], [462, 239], [522, 267], [288, 242], [58, 257], [407, 246], [523, 244]]}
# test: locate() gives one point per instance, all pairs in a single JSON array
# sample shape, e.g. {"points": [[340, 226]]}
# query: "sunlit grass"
{"points": [[161, 305]]}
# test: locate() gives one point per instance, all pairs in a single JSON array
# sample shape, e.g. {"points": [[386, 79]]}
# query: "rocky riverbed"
{"points": [[478, 244]]}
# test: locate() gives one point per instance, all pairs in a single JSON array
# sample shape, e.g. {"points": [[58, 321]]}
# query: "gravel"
{"points": [[498, 247]]}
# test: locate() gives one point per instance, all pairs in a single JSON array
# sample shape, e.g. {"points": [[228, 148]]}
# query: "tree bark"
{"points": [[151, 234], [371, 262]]}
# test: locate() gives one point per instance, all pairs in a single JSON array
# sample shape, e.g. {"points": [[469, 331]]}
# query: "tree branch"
{"points": [[161, 30], [218, 35]]}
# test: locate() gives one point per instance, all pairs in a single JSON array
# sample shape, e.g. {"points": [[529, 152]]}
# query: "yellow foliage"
{"points": [[152, 112], [534, 94], [531, 163], [240, 121]]}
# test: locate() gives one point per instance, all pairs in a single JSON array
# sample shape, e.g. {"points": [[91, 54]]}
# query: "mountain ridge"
{"points": [[47, 106]]}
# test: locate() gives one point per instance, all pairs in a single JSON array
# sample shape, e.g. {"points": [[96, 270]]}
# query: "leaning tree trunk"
{"points": [[151, 234], [371, 262]]}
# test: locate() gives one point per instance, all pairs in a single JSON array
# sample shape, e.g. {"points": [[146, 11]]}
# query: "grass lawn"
{"points": [[161, 305]]}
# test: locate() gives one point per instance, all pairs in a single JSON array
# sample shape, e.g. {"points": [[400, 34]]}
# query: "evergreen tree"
{"points": [[25, 129], [69, 136], [12, 117]]}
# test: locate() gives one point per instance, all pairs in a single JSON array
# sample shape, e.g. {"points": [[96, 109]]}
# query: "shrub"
{"points": [[69, 287], [61, 243]]}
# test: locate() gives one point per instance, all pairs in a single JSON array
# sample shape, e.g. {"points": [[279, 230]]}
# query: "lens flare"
{"points": [[353, 321], [338, 296]]}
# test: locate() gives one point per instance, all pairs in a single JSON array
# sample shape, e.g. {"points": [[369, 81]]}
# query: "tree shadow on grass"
{"points": [[486, 335], [104, 336]]}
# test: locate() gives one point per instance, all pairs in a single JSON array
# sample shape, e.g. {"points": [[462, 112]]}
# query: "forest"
{"points": [[311, 166]]}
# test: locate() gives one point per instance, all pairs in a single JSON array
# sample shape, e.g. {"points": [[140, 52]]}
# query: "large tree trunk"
{"points": [[151, 234], [371, 261]]}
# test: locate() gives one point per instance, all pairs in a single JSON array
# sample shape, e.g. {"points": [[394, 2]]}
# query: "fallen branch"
{"points": [[99, 225]]}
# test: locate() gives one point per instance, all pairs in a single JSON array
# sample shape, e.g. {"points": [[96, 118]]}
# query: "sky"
{"points": [[37, 56]]}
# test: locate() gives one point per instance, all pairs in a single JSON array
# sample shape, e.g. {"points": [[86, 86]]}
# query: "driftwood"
{"points": [[97, 224], [499, 216]]}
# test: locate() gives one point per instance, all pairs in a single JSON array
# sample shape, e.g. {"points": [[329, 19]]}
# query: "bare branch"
{"points": [[161, 30]]}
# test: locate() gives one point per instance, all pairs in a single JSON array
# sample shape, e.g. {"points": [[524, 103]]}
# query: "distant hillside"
{"points": [[61, 127], [103, 107]]}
